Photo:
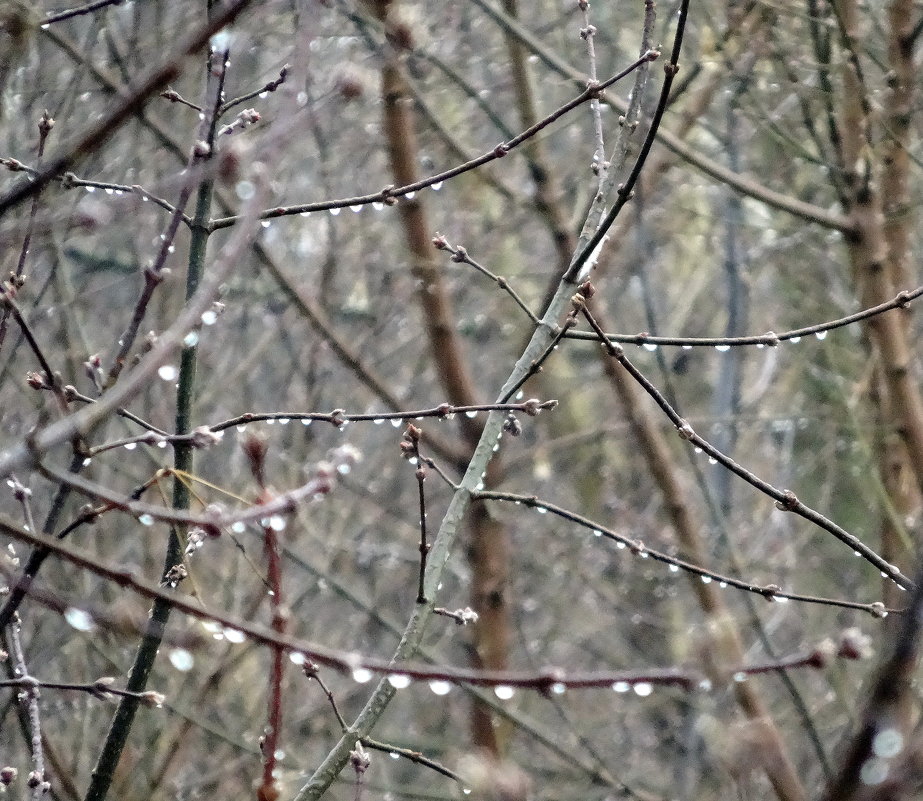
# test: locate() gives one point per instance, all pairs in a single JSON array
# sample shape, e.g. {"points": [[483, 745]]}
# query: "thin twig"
{"points": [[786, 500], [771, 592], [390, 195]]}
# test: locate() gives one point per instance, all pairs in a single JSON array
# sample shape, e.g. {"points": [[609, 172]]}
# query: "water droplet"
{"points": [[297, 658], [334, 212], [674, 568], [740, 676], [597, 532], [471, 414], [146, 520], [234, 636], [277, 523], [397, 422], [722, 348], [888, 743], [411, 195], [265, 223], [181, 659], [821, 335], [378, 421], [209, 317], [168, 372], [795, 340], [304, 214], [542, 510], [361, 675], [705, 685], [130, 446], [399, 681], [620, 545], [394, 755], [440, 687], [706, 579], [504, 692], [621, 686], [378, 205], [191, 339], [357, 208], [90, 189], [78, 619], [558, 688], [306, 421], [651, 346], [643, 689], [874, 771], [238, 527]]}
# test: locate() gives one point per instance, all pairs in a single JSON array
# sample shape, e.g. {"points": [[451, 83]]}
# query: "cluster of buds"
{"points": [[410, 443], [247, 117], [203, 437], [11, 286], [178, 572]]}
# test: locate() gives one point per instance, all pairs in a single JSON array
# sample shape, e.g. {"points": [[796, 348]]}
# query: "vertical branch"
{"points": [[268, 790], [898, 107], [117, 736], [45, 124], [410, 446], [490, 569], [37, 782], [881, 739]]}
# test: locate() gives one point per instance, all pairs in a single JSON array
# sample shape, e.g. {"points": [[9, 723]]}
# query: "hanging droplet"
{"points": [[78, 619], [181, 659]]}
